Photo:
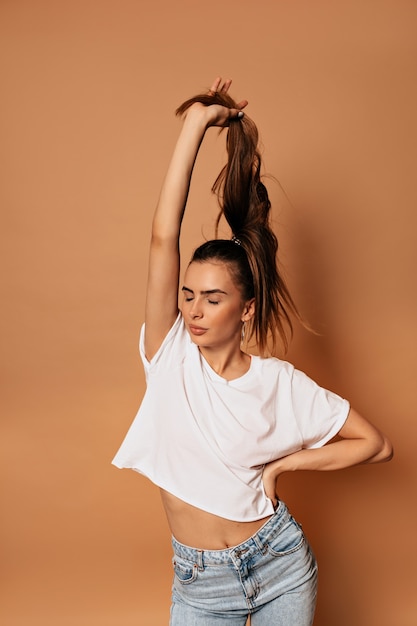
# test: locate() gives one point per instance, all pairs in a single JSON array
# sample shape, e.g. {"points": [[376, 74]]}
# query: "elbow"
{"points": [[385, 451], [162, 238]]}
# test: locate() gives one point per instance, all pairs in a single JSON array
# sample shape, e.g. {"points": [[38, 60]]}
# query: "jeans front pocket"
{"points": [[289, 539], [185, 571]]}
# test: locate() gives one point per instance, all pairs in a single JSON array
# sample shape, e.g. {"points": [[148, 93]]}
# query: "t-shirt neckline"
{"points": [[215, 377]]}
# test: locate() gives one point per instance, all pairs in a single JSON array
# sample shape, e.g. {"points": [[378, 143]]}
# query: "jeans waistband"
{"points": [[244, 550]]}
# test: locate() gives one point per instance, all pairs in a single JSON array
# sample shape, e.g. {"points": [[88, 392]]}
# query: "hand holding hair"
{"points": [[217, 105]]}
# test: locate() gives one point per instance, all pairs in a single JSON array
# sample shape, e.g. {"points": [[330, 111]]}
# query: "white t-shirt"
{"points": [[206, 440]]}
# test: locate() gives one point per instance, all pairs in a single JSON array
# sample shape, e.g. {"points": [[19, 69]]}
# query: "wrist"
{"points": [[284, 464], [273, 469], [197, 118]]}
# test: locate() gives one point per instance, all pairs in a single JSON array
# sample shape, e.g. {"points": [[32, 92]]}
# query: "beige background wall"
{"points": [[88, 93]]}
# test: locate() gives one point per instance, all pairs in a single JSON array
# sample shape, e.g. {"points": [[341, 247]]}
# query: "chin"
{"points": [[198, 341]]}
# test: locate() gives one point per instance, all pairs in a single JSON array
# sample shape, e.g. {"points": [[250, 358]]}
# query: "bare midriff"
{"points": [[199, 529]]}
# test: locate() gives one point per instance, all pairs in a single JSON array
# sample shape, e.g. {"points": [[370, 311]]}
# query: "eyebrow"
{"points": [[204, 293]]}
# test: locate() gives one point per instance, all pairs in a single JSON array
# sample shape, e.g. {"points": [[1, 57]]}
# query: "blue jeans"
{"points": [[272, 576]]}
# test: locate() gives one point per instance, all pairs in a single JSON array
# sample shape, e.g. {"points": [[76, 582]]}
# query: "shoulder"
{"points": [[283, 373], [272, 374], [273, 366], [172, 349]]}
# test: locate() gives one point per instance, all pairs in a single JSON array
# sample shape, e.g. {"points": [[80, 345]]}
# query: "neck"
{"points": [[229, 363]]}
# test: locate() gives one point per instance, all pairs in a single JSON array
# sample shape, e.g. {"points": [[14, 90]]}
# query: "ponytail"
{"points": [[245, 205]]}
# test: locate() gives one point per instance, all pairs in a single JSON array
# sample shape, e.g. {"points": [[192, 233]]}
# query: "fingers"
{"points": [[215, 86], [242, 104], [218, 86], [226, 85], [226, 115]]}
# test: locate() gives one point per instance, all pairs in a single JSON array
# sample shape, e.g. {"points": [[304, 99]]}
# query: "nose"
{"points": [[195, 310]]}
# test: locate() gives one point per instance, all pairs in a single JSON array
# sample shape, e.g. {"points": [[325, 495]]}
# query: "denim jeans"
{"points": [[272, 576]]}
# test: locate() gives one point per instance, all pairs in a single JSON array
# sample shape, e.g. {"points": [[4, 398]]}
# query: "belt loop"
{"points": [[261, 545], [200, 562]]}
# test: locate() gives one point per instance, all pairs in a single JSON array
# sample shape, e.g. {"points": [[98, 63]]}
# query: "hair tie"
{"points": [[236, 240]]}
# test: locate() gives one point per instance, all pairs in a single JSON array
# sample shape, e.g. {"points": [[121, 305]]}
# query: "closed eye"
{"points": [[187, 293]]}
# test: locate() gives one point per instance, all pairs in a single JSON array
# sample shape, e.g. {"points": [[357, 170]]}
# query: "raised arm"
{"points": [[164, 260]]}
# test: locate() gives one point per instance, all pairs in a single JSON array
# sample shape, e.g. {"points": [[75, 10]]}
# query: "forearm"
{"points": [[174, 193], [334, 456]]}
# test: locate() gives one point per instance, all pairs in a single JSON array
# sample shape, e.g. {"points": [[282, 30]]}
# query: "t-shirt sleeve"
{"points": [[170, 351], [319, 413]]}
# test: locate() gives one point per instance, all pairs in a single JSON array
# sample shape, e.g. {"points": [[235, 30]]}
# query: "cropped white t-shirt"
{"points": [[206, 440]]}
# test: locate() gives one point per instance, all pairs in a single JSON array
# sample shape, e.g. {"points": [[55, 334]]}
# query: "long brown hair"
{"points": [[252, 252]]}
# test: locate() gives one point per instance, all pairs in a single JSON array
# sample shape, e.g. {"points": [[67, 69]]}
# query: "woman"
{"points": [[217, 426]]}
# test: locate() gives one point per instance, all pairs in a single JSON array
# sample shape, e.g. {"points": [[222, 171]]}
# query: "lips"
{"points": [[197, 330]]}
